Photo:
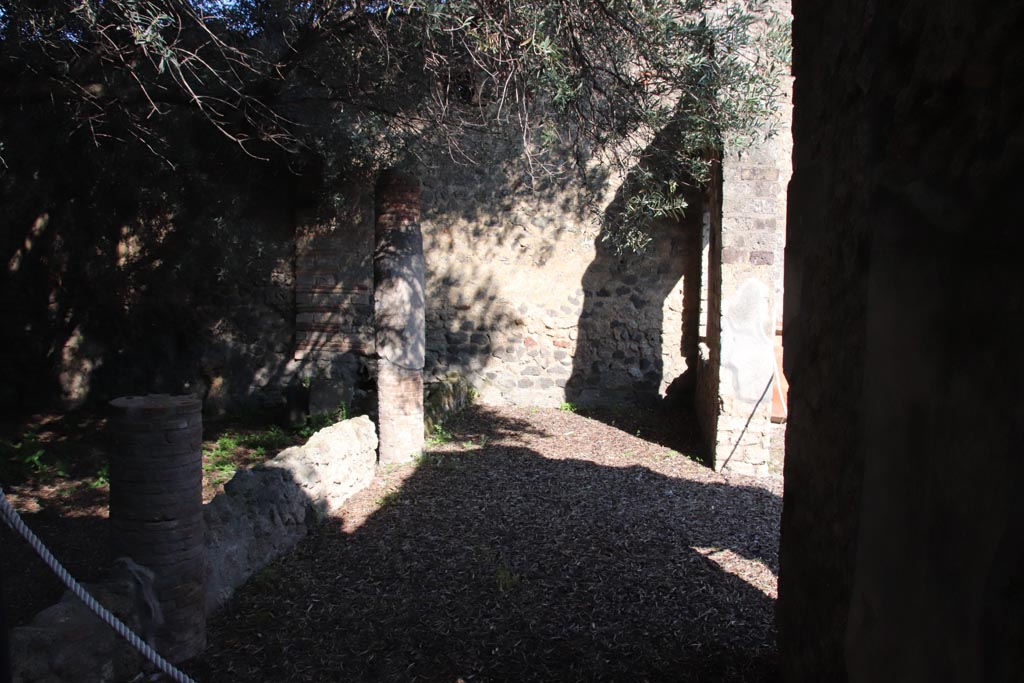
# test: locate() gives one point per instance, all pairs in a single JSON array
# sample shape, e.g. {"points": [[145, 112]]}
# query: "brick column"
{"points": [[399, 316], [156, 509]]}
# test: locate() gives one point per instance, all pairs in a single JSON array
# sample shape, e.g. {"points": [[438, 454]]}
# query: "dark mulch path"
{"points": [[536, 545]]}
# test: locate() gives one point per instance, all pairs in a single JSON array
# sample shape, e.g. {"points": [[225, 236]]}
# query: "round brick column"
{"points": [[399, 316], [400, 412], [156, 509]]}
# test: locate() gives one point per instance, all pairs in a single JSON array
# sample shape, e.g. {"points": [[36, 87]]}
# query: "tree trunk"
{"points": [[399, 316]]}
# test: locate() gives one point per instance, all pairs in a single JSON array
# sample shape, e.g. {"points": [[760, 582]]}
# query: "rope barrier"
{"points": [[14, 520]]}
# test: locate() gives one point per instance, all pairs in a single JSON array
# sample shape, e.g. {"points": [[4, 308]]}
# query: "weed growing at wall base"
{"points": [[102, 478], [506, 578], [26, 458], [389, 499], [234, 448], [314, 423], [439, 436]]}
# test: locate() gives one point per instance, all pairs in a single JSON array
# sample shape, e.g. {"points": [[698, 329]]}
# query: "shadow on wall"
{"points": [[488, 231], [638, 329], [510, 212], [505, 252], [124, 276], [497, 563], [517, 302], [466, 322]]}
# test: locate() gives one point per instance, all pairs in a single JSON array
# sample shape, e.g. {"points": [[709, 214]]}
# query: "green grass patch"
{"points": [[223, 458], [235, 448], [439, 435], [314, 423], [270, 440], [389, 499], [26, 458]]}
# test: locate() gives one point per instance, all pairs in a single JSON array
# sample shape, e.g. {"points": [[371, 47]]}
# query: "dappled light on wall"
{"points": [[38, 227]]}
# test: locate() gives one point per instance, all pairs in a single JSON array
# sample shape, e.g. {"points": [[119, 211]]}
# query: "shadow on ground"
{"points": [[668, 423], [79, 542], [496, 563]]}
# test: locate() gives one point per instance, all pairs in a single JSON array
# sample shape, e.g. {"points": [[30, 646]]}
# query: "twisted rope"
{"points": [[14, 520]]}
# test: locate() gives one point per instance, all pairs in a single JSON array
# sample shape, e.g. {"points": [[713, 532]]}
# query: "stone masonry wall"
{"points": [[547, 313], [529, 303], [523, 299], [266, 510], [903, 530], [67, 643], [535, 308]]}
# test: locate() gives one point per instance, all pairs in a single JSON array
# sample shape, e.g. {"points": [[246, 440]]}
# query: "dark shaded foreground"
{"points": [[536, 545]]}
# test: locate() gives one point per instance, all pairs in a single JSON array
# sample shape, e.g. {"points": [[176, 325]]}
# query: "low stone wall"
{"points": [[263, 513]]}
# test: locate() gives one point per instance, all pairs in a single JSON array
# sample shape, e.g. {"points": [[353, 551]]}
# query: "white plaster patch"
{"points": [[747, 353]]}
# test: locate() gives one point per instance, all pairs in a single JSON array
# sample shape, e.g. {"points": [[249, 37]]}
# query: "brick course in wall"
{"points": [[334, 296]]}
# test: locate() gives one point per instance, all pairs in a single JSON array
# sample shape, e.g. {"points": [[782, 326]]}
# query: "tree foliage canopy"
{"points": [[373, 81]]}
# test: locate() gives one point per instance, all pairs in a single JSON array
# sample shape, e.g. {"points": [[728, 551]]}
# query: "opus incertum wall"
{"points": [[527, 302]]}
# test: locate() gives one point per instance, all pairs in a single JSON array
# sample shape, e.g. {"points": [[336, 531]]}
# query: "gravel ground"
{"points": [[533, 545]]}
